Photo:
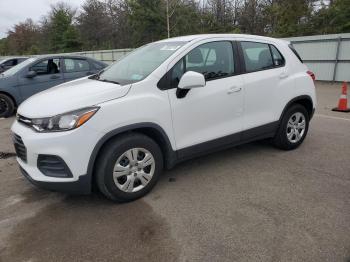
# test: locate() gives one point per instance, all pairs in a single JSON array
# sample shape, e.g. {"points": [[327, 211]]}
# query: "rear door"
{"points": [[76, 68], [48, 74], [265, 78]]}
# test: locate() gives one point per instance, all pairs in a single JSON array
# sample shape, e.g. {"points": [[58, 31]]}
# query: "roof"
{"points": [[61, 55], [190, 38], [67, 56], [12, 57]]}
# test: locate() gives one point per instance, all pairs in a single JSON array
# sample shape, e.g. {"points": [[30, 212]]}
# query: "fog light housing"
{"points": [[53, 166]]}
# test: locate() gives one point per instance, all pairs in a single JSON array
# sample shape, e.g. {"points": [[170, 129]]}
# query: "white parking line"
{"points": [[333, 117]]}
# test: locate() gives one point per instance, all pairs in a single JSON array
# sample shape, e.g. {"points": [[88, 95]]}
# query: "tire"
{"points": [[118, 159], [286, 137], [7, 106]]}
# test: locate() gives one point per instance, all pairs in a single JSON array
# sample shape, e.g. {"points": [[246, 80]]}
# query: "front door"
{"points": [[210, 112], [48, 74]]}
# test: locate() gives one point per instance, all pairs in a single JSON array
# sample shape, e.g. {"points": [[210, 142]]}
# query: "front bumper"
{"points": [[81, 186], [73, 147]]}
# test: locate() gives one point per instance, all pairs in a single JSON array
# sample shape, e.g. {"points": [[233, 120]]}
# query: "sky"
{"points": [[15, 11]]}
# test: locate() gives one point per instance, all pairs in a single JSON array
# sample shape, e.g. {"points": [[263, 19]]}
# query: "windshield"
{"points": [[15, 69], [140, 63]]}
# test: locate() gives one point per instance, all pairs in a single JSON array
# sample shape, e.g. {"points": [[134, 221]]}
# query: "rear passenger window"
{"points": [[257, 56], [97, 66], [76, 65]]}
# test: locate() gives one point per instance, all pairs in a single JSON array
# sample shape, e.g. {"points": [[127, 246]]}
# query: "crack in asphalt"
{"points": [[5, 155]]}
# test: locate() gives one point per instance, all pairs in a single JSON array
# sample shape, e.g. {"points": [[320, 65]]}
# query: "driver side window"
{"points": [[214, 60], [47, 67]]}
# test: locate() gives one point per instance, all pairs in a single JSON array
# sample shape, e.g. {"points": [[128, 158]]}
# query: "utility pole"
{"points": [[170, 13], [167, 18]]}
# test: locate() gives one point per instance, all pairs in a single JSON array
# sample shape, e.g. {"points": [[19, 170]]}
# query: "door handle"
{"points": [[234, 90], [283, 75], [54, 77]]}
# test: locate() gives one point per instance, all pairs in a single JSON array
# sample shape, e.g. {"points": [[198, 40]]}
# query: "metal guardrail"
{"points": [[328, 56], [108, 56]]}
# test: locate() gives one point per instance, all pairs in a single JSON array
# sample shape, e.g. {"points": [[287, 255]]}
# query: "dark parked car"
{"points": [[6, 64], [37, 74]]}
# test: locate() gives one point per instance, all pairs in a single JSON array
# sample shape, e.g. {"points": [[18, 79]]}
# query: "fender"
{"points": [[294, 100], [169, 156]]}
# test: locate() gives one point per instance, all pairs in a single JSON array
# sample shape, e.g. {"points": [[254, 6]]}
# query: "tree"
{"points": [[106, 24], [62, 35], [22, 38], [147, 20], [332, 18], [251, 19], [287, 18], [94, 25], [184, 18], [118, 11]]}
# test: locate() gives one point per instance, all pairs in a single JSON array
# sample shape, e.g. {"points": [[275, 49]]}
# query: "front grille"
{"points": [[20, 148], [53, 166]]}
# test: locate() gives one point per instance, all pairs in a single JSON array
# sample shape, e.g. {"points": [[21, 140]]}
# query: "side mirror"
{"points": [[31, 74], [191, 80]]}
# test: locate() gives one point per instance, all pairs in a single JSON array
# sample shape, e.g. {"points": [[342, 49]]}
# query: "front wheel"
{"points": [[129, 167], [293, 128]]}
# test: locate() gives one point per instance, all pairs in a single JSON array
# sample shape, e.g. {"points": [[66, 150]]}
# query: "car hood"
{"points": [[71, 96]]}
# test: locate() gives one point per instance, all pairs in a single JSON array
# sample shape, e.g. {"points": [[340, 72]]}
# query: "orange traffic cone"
{"points": [[343, 100]]}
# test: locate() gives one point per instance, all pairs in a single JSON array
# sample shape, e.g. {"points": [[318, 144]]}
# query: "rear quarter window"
{"points": [[295, 52], [278, 59]]}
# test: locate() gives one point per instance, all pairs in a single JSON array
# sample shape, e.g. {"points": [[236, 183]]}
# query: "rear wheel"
{"points": [[129, 167], [293, 128], [7, 106]]}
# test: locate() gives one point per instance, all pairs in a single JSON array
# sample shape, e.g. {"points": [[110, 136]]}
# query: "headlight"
{"points": [[64, 122]]}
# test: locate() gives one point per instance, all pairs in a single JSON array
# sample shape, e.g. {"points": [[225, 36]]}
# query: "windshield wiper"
{"points": [[96, 76], [108, 81]]}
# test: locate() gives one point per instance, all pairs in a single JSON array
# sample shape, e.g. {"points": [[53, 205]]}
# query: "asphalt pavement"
{"points": [[249, 203]]}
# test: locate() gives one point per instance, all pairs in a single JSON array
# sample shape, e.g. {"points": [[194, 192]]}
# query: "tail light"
{"points": [[312, 75]]}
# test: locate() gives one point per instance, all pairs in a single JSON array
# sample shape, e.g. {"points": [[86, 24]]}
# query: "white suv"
{"points": [[165, 102]]}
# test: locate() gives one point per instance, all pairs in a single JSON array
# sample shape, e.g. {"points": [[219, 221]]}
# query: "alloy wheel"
{"points": [[296, 127]]}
